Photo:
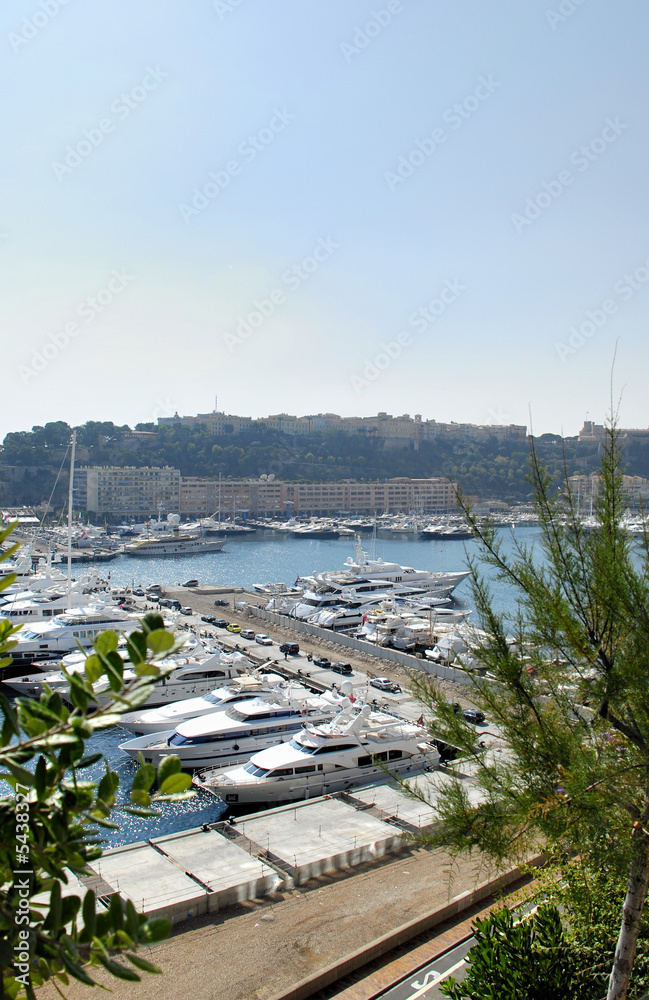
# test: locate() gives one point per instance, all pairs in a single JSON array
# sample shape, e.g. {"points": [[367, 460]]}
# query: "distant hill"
{"points": [[31, 460]]}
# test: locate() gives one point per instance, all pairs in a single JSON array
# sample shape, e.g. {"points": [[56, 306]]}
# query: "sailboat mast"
{"points": [[70, 499]]}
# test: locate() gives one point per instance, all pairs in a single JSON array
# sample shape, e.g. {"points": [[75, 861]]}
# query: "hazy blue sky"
{"points": [[471, 175]]}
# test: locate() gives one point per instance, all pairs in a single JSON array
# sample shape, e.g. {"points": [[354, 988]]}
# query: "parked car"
{"points": [[233, 627], [220, 623], [220, 604], [165, 602], [247, 633], [474, 715], [289, 647], [342, 668], [210, 619], [174, 604], [385, 684], [190, 583], [263, 639], [138, 592], [186, 611], [321, 661]]}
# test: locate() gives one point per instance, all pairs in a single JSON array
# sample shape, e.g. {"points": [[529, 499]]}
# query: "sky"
{"points": [[303, 206]]}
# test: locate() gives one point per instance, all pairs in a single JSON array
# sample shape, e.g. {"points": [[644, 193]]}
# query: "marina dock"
{"points": [[199, 871]]}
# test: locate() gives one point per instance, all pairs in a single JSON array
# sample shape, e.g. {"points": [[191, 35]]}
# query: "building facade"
{"points": [[267, 498], [126, 491]]}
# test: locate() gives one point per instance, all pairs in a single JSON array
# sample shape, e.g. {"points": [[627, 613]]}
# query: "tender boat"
{"points": [[359, 747]]}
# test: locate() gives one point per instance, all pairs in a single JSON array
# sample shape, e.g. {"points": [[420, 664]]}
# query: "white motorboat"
{"points": [[359, 747], [242, 688], [190, 677], [167, 538], [233, 735], [360, 569], [49, 640]]}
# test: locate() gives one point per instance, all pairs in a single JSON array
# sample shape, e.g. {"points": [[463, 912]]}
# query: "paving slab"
{"points": [[315, 837], [153, 883], [229, 872]]}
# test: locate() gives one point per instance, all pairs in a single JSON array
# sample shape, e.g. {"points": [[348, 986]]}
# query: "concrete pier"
{"points": [[188, 874], [321, 836]]}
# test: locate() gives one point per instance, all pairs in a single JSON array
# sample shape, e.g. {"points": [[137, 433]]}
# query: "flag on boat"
{"points": [[420, 720], [297, 580], [364, 618]]}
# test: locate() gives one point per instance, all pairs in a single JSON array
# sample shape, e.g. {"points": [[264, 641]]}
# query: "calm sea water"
{"points": [[268, 556], [243, 562]]}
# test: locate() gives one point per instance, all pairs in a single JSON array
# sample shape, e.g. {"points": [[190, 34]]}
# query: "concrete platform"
{"points": [[154, 884], [320, 836], [395, 804], [228, 872]]}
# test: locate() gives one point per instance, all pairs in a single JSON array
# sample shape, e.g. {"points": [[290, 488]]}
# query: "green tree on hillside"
{"points": [[567, 690]]}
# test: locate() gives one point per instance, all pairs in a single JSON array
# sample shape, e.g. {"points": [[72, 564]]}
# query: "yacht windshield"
{"points": [[259, 772]]}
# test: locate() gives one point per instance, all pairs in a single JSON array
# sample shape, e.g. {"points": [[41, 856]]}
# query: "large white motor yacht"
{"points": [[49, 640], [243, 688], [173, 542], [359, 747], [233, 735], [360, 569]]}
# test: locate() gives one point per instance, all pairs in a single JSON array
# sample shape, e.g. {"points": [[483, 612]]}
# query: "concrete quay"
{"points": [[188, 874]]}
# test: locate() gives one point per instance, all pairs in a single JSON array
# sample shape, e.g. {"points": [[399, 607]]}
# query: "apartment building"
{"points": [[126, 491], [267, 498]]}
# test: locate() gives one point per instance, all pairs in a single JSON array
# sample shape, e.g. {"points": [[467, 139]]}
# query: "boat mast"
{"points": [[70, 499]]}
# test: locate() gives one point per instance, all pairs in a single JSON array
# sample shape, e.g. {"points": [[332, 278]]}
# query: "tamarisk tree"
{"points": [[566, 689], [52, 816]]}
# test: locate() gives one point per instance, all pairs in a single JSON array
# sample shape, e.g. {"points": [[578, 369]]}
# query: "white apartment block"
{"points": [[126, 491]]}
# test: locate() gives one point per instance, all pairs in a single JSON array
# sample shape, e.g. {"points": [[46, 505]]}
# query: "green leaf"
{"points": [[52, 921], [156, 929], [88, 760], [119, 971], [137, 811], [136, 647], [93, 668], [159, 641], [152, 622], [106, 642], [141, 963], [144, 777], [88, 912], [116, 911], [170, 765], [140, 798], [175, 783]]}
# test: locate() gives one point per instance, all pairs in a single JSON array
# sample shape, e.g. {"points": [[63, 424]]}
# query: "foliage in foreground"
{"points": [[567, 692], [529, 959], [51, 823]]}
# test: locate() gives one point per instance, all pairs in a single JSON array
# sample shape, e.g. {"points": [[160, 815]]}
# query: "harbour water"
{"points": [[273, 556]]}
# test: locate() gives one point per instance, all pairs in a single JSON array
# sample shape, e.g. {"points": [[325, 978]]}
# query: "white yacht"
{"points": [[49, 640], [231, 736], [172, 541], [359, 747], [360, 568], [191, 676], [243, 688]]}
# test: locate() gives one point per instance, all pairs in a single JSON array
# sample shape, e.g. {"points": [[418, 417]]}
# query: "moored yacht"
{"points": [[233, 735], [243, 688], [49, 640], [359, 747]]}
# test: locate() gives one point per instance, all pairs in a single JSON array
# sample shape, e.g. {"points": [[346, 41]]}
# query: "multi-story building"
{"points": [[266, 497], [597, 432], [585, 490], [395, 431], [126, 491]]}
